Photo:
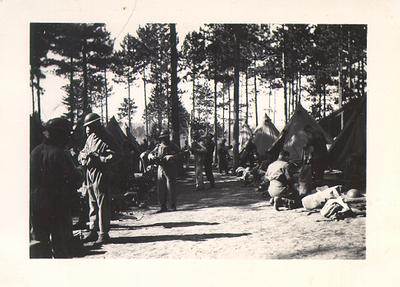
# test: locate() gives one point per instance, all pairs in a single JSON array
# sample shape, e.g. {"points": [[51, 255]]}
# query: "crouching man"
{"points": [[280, 183]]}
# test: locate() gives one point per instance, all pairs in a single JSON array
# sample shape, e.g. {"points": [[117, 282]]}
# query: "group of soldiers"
{"points": [[284, 188], [55, 178]]}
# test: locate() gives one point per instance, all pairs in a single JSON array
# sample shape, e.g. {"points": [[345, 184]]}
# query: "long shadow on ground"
{"points": [[353, 252], [186, 237], [164, 224]]}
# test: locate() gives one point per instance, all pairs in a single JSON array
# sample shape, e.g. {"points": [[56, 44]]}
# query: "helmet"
{"points": [[91, 118], [353, 193], [58, 124], [164, 134]]}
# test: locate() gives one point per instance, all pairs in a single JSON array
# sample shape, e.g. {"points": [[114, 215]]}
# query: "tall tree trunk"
{"points": [[359, 79], [349, 64], [289, 99], [299, 95], [269, 100], [247, 97], [86, 108], [71, 91], [229, 114], [319, 97], [215, 120], [145, 101], [223, 110], [236, 102], [293, 93], [285, 88], [362, 78], [106, 92], [129, 101], [324, 87], [33, 92], [340, 91], [255, 99], [274, 106], [174, 87], [38, 91], [193, 97]]}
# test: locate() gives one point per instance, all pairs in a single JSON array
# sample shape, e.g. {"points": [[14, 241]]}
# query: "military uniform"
{"points": [[166, 173], [97, 155], [53, 179], [208, 161], [199, 151]]}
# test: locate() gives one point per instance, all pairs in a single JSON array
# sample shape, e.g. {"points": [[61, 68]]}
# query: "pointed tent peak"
{"points": [[266, 119], [292, 137], [115, 130], [265, 135], [266, 126], [302, 119]]}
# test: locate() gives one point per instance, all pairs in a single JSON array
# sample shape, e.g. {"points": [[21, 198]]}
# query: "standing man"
{"points": [[199, 151], [98, 155], [166, 155], [223, 156], [208, 160], [53, 180], [315, 152], [186, 154]]}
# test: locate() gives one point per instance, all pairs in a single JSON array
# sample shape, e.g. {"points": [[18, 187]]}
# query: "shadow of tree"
{"points": [[353, 252], [186, 237], [165, 225]]}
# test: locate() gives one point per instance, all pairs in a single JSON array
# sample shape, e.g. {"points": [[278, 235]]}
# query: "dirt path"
{"points": [[231, 222]]}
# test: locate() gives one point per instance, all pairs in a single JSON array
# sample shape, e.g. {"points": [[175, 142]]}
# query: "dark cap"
{"points": [[58, 124]]}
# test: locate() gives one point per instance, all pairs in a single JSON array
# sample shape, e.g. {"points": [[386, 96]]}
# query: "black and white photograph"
{"points": [[191, 142], [201, 143]]}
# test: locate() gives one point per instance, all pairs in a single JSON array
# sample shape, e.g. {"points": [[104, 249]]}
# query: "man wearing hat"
{"points": [[208, 159], [165, 154], [53, 179], [98, 155]]}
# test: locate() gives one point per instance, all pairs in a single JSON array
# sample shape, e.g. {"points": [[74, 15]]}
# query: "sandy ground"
{"points": [[230, 222]]}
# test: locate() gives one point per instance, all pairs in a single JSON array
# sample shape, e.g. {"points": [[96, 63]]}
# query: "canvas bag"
{"points": [[317, 200]]}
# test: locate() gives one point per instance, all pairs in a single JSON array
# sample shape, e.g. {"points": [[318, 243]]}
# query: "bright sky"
{"points": [[52, 99]]}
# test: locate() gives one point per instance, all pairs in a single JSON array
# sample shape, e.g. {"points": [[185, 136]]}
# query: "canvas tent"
{"points": [[292, 137], [352, 140], [265, 135], [126, 142], [335, 122], [245, 134], [116, 132]]}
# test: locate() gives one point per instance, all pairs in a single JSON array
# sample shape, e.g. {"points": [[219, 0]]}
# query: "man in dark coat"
{"points": [[208, 159], [53, 180], [315, 152], [166, 156], [223, 156], [99, 154]]}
